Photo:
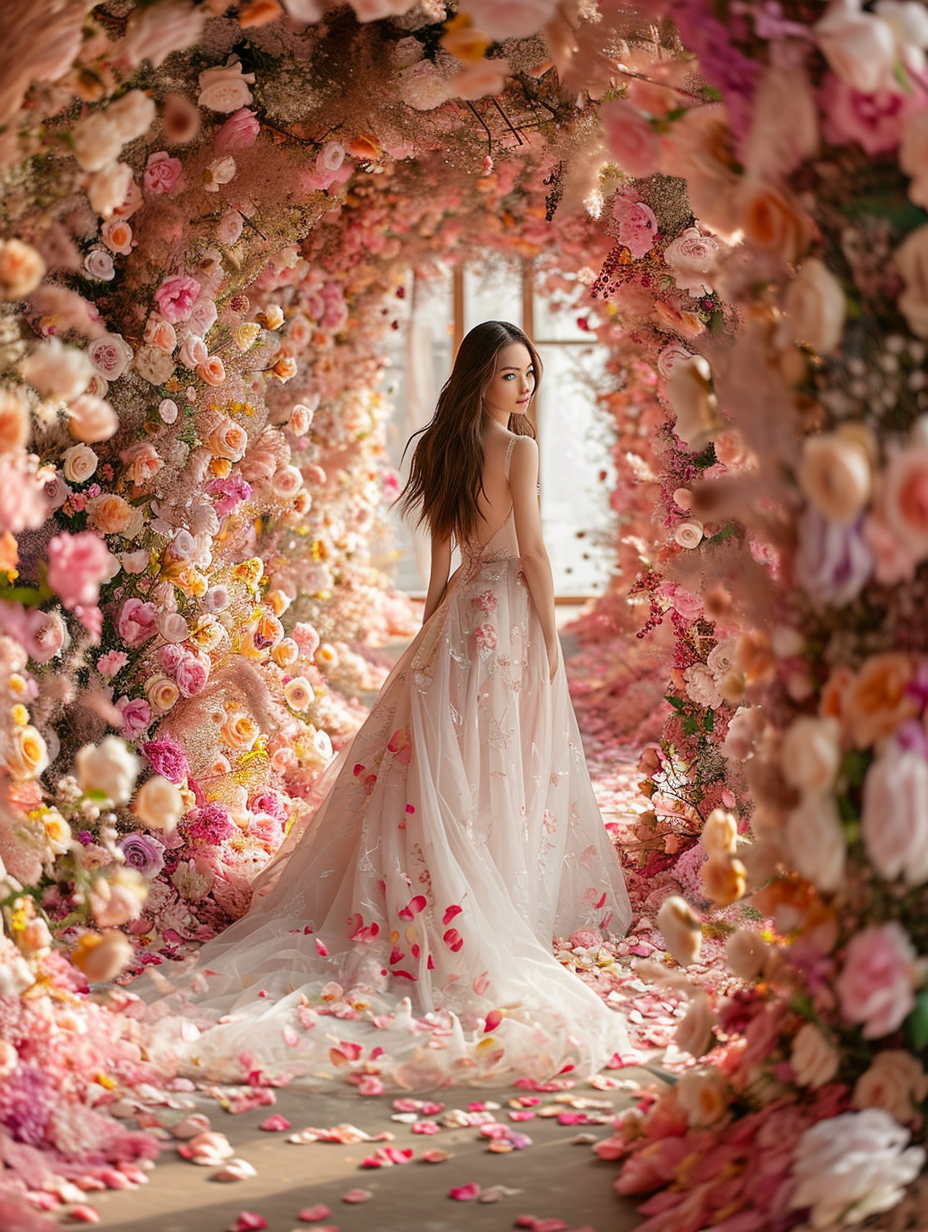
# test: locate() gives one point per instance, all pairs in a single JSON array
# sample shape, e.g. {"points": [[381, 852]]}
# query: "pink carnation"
{"points": [[875, 985], [77, 564], [176, 296], [306, 638], [136, 622]]}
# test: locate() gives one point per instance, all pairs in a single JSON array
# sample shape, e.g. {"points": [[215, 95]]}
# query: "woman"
{"points": [[403, 933]]}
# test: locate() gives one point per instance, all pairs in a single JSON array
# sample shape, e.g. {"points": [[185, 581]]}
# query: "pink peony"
{"points": [[241, 129], [176, 296], [77, 564], [162, 173], [136, 622], [875, 985], [874, 121]]}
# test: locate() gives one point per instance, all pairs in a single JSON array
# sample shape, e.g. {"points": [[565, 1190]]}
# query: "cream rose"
{"points": [[895, 1082], [160, 333], [220, 171], [159, 804], [692, 258], [96, 141], [240, 731], [109, 767], [720, 832], [154, 365], [772, 219], [894, 821], [142, 463], [745, 953], [681, 929], [688, 534], [811, 754], [14, 420], [694, 1034], [298, 693], [816, 307], [703, 1096], [690, 393], [108, 189], [80, 462], [57, 832], [815, 842], [110, 514], [110, 355], [225, 88], [92, 419], [286, 482], [21, 269], [133, 114], [57, 371], [860, 48], [119, 899], [99, 264], [27, 756], [102, 956], [117, 236], [162, 692], [834, 476], [813, 1057]]}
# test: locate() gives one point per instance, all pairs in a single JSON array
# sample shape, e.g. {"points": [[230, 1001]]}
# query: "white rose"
{"points": [[703, 1096], [226, 88], [96, 141], [859, 47], [745, 953], [834, 475], [681, 930], [694, 404], [229, 230], [815, 842], [911, 259], [811, 754], [110, 355], [154, 365], [57, 371], [694, 1034], [133, 114], [109, 767], [192, 351], [813, 1057], [688, 534], [219, 171], [159, 804], [816, 307], [92, 419], [894, 821], [172, 627], [21, 269], [895, 1082], [99, 264], [108, 189], [15, 976], [721, 658], [80, 462]]}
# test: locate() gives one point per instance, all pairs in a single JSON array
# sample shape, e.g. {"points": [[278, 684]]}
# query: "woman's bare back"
{"points": [[495, 502]]}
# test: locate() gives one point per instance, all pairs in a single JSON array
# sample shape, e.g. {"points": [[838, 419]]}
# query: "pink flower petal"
{"points": [[312, 1214], [357, 1195], [465, 1193], [275, 1124], [453, 940], [248, 1221], [435, 1156], [323, 952], [84, 1214], [413, 907], [494, 1018], [481, 983], [450, 914]]}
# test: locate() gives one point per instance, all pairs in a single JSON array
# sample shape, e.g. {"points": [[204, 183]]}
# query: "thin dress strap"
{"points": [[508, 456]]}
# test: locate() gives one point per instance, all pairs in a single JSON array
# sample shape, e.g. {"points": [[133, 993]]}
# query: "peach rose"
{"points": [[27, 756], [724, 878], [811, 754], [681, 929], [814, 1058], [694, 1034], [92, 419], [895, 1082], [110, 514], [720, 832], [876, 701], [228, 440], [162, 692], [703, 1096], [160, 333], [478, 79], [904, 503], [240, 731], [116, 234], [14, 420], [212, 370], [772, 219], [119, 899], [911, 260], [21, 269], [102, 956], [80, 462], [142, 463], [816, 306]]}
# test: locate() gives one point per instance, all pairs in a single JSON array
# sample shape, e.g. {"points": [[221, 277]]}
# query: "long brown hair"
{"points": [[446, 473]]}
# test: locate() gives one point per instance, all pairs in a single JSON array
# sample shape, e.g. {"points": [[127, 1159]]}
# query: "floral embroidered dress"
{"points": [[403, 934]]}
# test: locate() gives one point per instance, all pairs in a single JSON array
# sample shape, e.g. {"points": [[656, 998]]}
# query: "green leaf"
{"points": [[675, 701], [708, 720], [689, 725], [916, 1025]]}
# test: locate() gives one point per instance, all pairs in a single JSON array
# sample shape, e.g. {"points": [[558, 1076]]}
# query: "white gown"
{"points": [[403, 933]]}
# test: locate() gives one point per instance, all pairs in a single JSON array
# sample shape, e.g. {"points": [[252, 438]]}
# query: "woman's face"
{"points": [[513, 383]]}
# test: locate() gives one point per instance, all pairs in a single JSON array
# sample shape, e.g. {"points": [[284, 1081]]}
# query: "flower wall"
{"points": [[208, 211]]}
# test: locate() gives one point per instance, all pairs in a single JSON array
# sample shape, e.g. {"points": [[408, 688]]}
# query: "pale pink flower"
{"points": [[874, 121], [136, 622], [176, 297], [23, 504], [637, 225], [109, 664], [163, 174], [875, 987], [136, 715], [630, 138], [240, 130], [192, 674], [77, 564]]}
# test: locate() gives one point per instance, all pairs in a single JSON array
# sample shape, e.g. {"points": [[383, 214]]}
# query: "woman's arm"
{"points": [[438, 576], [523, 480]]}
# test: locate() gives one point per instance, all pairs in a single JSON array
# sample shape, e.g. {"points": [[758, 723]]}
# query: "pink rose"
{"points": [[109, 355], [192, 673], [637, 225], [77, 564], [136, 622], [905, 499], [630, 138], [162, 173], [874, 121], [23, 504], [875, 985], [109, 664], [136, 715], [43, 634], [692, 258], [241, 129], [176, 296], [894, 822]]}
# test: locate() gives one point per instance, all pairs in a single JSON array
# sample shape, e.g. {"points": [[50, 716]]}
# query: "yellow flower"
{"points": [[20, 715], [17, 684], [250, 572]]}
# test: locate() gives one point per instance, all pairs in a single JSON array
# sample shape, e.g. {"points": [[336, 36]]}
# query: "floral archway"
{"points": [[208, 211]]}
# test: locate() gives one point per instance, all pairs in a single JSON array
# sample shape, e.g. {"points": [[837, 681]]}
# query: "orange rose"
{"points": [[212, 370], [109, 514], [773, 220], [258, 13], [228, 440], [876, 701], [240, 731]]}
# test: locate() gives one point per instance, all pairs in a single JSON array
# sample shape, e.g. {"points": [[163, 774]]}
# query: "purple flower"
{"points": [[167, 758], [143, 853], [209, 826], [833, 564]]}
